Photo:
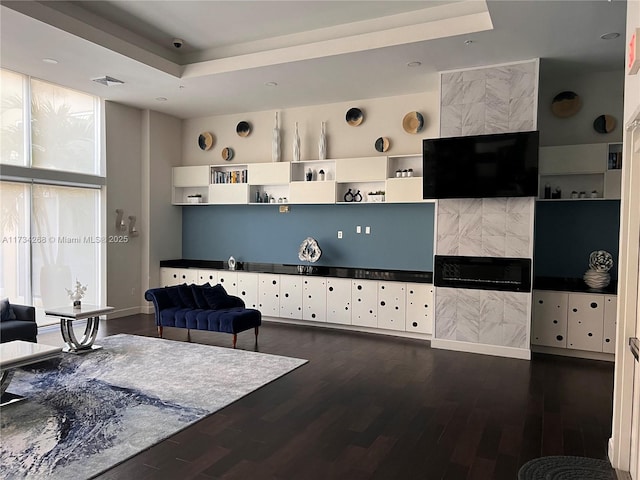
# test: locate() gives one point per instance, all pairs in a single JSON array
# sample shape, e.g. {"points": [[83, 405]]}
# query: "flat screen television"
{"points": [[481, 166]]}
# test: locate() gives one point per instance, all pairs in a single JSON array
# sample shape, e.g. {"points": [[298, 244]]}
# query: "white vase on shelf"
{"points": [[322, 143], [296, 144], [275, 142]]}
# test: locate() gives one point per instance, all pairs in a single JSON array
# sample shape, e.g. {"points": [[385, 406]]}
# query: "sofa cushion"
{"points": [[233, 320], [217, 297], [186, 295], [198, 295], [19, 330], [174, 295], [6, 312]]}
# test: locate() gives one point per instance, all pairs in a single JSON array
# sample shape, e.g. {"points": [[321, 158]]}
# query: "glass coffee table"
{"points": [[20, 354], [67, 315]]}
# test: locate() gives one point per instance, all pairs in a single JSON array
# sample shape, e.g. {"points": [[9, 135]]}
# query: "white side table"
{"points": [[68, 314]]}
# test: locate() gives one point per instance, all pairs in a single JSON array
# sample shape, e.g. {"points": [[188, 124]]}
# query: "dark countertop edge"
{"points": [[563, 284], [313, 270]]}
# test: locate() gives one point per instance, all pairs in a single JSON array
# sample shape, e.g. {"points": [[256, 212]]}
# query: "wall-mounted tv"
{"points": [[481, 166]]}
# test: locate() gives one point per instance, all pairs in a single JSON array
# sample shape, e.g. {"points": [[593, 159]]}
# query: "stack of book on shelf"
{"points": [[615, 160], [231, 176]]}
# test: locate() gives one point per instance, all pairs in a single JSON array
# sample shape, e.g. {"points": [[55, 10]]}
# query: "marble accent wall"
{"points": [[475, 102], [489, 100], [485, 227]]}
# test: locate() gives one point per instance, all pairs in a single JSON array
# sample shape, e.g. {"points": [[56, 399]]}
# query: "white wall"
{"points": [[124, 176], [601, 93], [383, 118], [162, 222]]}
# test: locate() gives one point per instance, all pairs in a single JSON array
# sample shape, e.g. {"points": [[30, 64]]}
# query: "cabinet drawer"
{"points": [[229, 193], [549, 319], [585, 322], [269, 173], [586, 158]]}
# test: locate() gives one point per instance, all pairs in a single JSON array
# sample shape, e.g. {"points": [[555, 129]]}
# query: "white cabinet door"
{"points": [[419, 316], [208, 276], [269, 173], [364, 296], [584, 158], [609, 326], [269, 294], [399, 190], [392, 300], [187, 275], [248, 288], [196, 176], [586, 318], [291, 296], [312, 192], [314, 299], [169, 276], [229, 280], [339, 300], [549, 323], [229, 193], [368, 169]]}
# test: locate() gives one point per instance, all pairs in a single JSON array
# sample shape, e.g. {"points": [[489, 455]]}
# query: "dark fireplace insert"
{"points": [[483, 273]]}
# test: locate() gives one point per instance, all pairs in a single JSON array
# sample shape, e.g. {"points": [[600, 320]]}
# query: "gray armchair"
{"points": [[23, 327]]}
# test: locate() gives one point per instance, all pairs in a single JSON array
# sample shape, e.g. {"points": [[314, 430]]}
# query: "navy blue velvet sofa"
{"points": [[17, 322], [202, 307]]}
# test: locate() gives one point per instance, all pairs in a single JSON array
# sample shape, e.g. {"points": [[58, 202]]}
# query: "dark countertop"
{"points": [[320, 271], [561, 284]]}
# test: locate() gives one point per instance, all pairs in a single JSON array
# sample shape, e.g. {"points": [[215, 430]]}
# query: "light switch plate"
{"points": [[358, 229], [367, 230], [339, 233]]}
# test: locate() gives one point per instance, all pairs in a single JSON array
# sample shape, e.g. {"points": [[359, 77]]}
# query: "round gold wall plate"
{"points": [[227, 154], [206, 141], [413, 122], [604, 124]]}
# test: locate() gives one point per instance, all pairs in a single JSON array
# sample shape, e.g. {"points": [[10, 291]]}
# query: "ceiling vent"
{"points": [[108, 81]]}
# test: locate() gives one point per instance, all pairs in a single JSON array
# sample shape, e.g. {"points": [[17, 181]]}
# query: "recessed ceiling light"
{"points": [[414, 64], [271, 84], [609, 36], [52, 61], [161, 99], [468, 42]]}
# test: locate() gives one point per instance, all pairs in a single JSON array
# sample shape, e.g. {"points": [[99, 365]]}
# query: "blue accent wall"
{"points": [[401, 234], [567, 232]]}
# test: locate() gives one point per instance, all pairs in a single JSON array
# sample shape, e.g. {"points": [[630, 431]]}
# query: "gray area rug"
{"points": [[87, 413], [566, 468]]}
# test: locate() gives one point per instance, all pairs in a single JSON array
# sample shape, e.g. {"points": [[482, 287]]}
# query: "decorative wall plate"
{"points": [[413, 122], [354, 117], [566, 104], [604, 124], [227, 154], [243, 129], [382, 144], [205, 141]]}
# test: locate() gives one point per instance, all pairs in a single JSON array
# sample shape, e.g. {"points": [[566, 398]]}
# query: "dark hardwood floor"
{"points": [[378, 407]]}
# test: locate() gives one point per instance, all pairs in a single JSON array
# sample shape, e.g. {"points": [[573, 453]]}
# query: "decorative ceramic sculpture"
{"points": [[309, 250], [296, 145], [600, 262], [275, 142], [322, 143]]}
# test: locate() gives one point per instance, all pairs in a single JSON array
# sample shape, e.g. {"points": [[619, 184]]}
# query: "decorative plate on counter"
{"points": [[227, 154], [243, 129], [205, 141], [382, 144], [413, 122], [354, 117]]}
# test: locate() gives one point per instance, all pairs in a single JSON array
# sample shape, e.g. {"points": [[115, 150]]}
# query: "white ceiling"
{"points": [[316, 51]]}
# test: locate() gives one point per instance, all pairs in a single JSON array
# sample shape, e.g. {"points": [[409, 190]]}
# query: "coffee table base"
{"points": [[79, 351], [10, 398]]}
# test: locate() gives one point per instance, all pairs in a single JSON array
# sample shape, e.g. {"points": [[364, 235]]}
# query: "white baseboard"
{"points": [[568, 352], [495, 350], [350, 328], [124, 312]]}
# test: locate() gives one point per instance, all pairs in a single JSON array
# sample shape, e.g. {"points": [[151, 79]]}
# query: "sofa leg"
{"points": [[160, 331], [235, 339], [256, 333], [188, 335]]}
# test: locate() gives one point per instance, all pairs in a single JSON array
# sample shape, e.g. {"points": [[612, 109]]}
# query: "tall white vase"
{"points": [[322, 143], [296, 145], [275, 142]]}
